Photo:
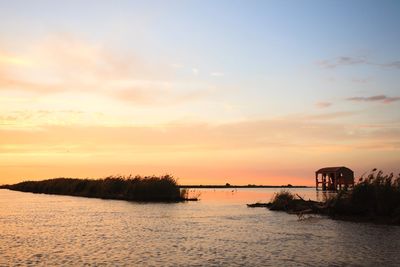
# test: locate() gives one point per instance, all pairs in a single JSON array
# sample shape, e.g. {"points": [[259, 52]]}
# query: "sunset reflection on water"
{"points": [[251, 195], [218, 230]]}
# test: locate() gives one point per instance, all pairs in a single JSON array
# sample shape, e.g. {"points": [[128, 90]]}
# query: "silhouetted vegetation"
{"points": [[284, 200], [137, 188], [289, 202], [375, 198]]}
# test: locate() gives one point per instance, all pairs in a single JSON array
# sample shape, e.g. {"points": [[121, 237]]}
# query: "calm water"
{"points": [[218, 230]]}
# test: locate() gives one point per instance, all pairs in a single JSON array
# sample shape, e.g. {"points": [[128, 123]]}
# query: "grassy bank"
{"points": [[164, 188], [375, 198]]}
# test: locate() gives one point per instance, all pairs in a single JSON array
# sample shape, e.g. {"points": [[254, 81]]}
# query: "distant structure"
{"points": [[334, 178]]}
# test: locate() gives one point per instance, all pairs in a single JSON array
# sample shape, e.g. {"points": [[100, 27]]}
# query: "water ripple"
{"points": [[43, 230]]}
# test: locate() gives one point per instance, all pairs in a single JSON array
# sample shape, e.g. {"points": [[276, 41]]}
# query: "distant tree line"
{"points": [[136, 188]]}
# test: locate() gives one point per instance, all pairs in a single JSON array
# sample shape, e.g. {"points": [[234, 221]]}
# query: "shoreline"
{"points": [[335, 209], [245, 186], [379, 220], [107, 198], [5, 186], [141, 189]]}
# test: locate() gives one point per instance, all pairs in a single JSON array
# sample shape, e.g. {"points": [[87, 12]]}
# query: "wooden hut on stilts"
{"points": [[334, 178]]}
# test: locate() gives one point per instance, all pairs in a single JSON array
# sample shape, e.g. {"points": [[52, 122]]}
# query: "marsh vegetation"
{"points": [[134, 188], [375, 198]]}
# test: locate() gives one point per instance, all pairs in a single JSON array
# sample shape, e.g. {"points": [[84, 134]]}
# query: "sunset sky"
{"points": [[260, 92]]}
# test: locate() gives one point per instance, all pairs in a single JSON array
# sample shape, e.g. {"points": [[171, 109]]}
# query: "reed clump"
{"points": [[283, 200], [134, 188], [375, 196]]}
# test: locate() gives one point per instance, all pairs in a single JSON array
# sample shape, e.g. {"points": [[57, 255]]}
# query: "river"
{"points": [[218, 230]]}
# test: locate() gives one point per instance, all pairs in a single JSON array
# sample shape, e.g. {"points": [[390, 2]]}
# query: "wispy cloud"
{"points": [[217, 74], [247, 144], [323, 104], [9, 59], [157, 96], [195, 71], [195, 137], [341, 61], [377, 98], [394, 64], [64, 64], [136, 95], [349, 61], [360, 80], [329, 116], [33, 119], [177, 65]]}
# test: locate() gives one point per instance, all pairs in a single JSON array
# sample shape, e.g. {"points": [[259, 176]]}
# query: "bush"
{"points": [[282, 201]]}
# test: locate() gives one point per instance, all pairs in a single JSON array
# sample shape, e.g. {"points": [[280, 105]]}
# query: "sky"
{"points": [[245, 92]]}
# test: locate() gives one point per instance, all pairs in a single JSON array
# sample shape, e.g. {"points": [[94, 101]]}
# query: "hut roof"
{"points": [[333, 169]]}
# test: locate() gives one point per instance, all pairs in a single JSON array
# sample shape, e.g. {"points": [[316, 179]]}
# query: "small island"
{"points": [[132, 188], [375, 198]]}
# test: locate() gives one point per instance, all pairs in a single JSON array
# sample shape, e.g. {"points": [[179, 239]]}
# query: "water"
{"points": [[219, 230]]}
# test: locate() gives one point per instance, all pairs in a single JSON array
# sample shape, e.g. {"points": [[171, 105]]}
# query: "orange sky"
{"points": [[209, 106]]}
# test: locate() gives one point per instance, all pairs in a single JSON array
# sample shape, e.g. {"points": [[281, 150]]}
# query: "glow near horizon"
{"points": [[259, 92]]}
